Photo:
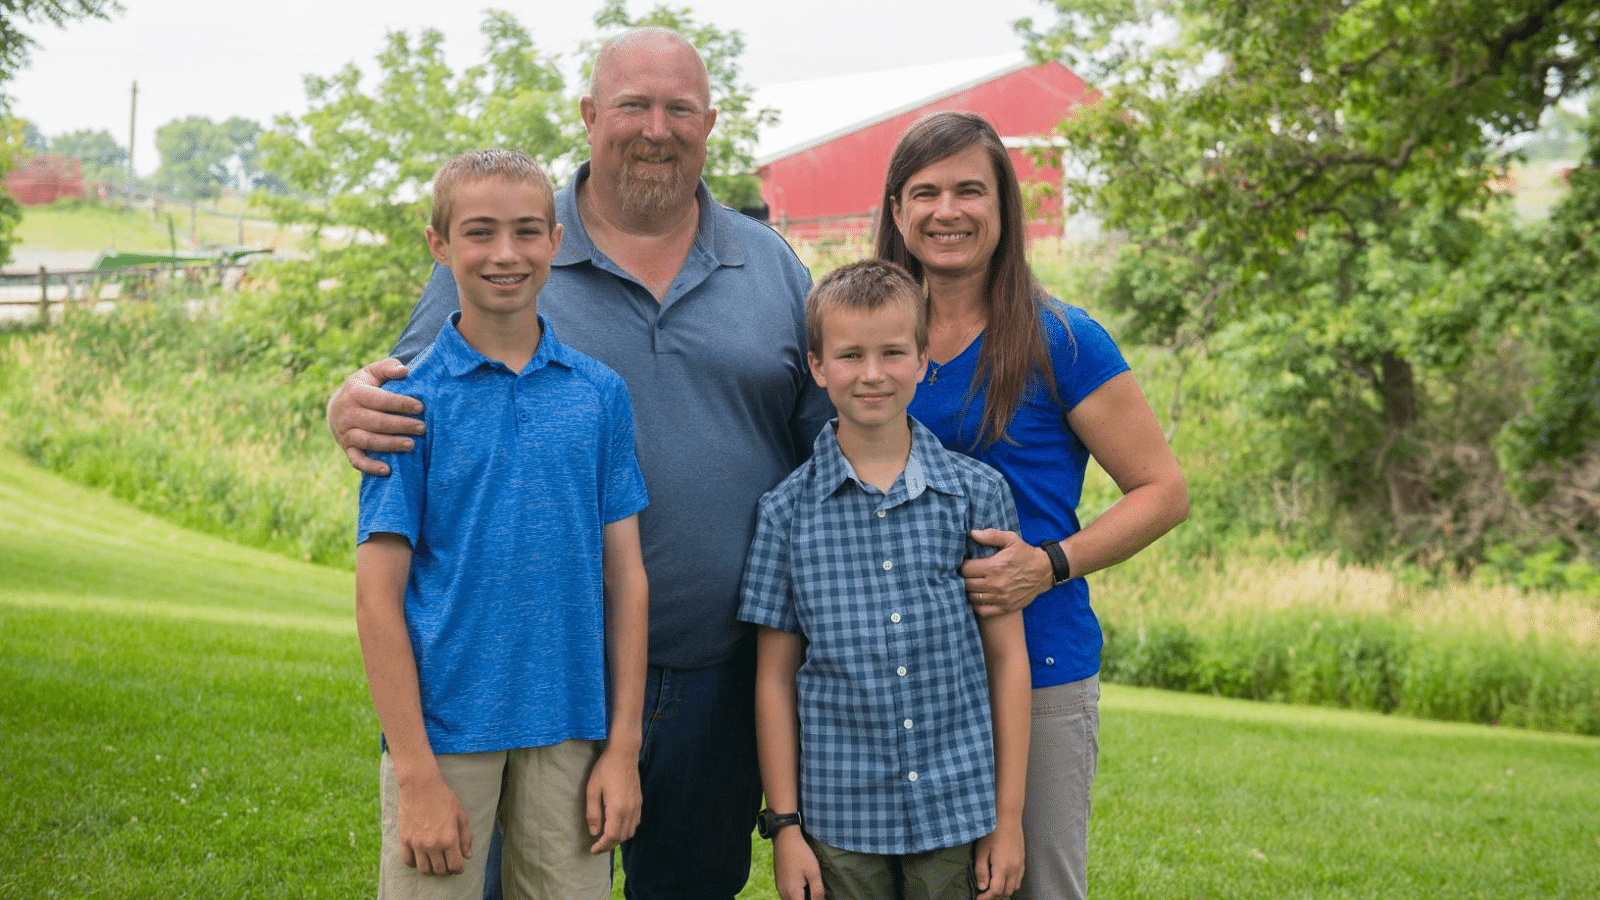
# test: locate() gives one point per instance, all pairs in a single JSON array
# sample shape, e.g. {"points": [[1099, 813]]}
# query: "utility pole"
{"points": [[133, 107]]}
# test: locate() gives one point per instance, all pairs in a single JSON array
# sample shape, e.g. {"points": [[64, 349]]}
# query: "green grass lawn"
{"points": [[180, 717], [107, 226]]}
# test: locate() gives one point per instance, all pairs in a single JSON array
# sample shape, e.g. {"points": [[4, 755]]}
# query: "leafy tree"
{"points": [[200, 157], [359, 164], [103, 159], [1300, 183], [370, 149], [10, 211], [1550, 447], [730, 152], [193, 158]]}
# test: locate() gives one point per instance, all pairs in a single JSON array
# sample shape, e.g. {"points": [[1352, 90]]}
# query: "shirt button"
{"points": [[1049, 660], [882, 513], [901, 671], [908, 723], [911, 777], [894, 617], [887, 565]]}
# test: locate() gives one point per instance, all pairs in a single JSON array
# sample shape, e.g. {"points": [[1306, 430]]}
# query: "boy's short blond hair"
{"points": [[868, 285], [477, 165]]}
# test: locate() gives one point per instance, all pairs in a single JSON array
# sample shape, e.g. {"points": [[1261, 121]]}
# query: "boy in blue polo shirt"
{"points": [[501, 599], [878, 733]]}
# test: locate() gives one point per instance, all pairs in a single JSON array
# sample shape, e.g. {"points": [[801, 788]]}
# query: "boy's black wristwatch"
{"points": [[768, 823]]}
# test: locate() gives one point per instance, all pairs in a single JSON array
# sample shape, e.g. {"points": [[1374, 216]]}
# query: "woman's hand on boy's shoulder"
{"points": [[1008, 579]]}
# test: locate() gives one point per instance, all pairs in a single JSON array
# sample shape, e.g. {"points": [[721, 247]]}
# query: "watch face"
{"points": [[768, 822]]}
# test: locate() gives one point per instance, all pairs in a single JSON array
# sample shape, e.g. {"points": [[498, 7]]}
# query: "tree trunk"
{"points": [[1402, 474]]}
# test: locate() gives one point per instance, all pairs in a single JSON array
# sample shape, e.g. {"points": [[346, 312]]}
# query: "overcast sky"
{"points": [[205, 58]]}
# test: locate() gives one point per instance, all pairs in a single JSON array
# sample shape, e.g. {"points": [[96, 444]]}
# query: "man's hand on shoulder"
{"points": [[365, 418]]}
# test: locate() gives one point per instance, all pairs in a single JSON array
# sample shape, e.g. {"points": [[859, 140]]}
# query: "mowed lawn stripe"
{"points": [[63, 543]]}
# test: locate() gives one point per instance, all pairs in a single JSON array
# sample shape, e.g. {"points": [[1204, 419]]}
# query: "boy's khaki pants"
{"points": [[538, 795]]}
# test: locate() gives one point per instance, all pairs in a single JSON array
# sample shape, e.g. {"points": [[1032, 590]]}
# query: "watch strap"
{"points": [[769, 823], [1060, 567]]}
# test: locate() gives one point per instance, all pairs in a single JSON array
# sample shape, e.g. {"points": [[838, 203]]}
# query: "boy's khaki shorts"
{"points": [[945, 874], [538, 795]]}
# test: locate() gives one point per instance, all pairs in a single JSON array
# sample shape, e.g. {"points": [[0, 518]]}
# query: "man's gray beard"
{"points": [[646, 198]]}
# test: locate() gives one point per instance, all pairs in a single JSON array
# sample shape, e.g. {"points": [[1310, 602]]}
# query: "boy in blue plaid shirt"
{"points": [[892, 723]]}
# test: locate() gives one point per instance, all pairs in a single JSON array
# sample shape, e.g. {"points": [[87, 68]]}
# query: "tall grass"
{"points": [[1311, 631], [171, 409]]}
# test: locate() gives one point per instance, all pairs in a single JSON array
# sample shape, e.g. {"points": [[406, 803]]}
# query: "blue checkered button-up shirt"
{"points": [[896, 745]]}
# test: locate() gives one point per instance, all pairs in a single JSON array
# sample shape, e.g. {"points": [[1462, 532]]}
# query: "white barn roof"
{"points": [[819, 109]]}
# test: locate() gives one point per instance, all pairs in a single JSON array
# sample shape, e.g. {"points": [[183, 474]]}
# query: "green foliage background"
{"points": [[1307, 187]]}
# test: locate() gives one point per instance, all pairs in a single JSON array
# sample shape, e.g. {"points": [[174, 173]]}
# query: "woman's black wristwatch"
{"points": [[1060, 568], [768, 823]]}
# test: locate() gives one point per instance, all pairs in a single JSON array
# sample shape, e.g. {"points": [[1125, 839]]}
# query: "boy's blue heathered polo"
{"points": [[504, 502]]}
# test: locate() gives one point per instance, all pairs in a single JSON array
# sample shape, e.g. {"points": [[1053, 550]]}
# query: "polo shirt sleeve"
{"points": [[766, 593], [622, 483], [394, 504]]}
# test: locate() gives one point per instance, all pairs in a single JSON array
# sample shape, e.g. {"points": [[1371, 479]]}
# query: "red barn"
{"points": [[45, 179], [829, 183]]}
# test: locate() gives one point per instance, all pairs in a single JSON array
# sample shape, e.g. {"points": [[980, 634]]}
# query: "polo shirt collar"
{"points": [[926, 466], [714, 234], [460, 358]]}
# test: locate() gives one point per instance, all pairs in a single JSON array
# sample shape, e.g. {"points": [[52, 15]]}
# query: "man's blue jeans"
{"points": [[702, 789]]}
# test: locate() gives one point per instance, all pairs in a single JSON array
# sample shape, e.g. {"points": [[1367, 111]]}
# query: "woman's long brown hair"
{"points": [[1013, 343]]}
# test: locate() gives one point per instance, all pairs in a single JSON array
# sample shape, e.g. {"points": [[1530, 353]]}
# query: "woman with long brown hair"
{"points": [[1033, 387]]}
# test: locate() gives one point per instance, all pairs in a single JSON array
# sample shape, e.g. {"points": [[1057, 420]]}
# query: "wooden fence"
{"points": [[103, 288]]}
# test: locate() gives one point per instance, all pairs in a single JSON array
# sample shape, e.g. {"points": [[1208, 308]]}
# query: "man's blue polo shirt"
{"points": [[504, 502], [724, 402], [896, 737]]}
